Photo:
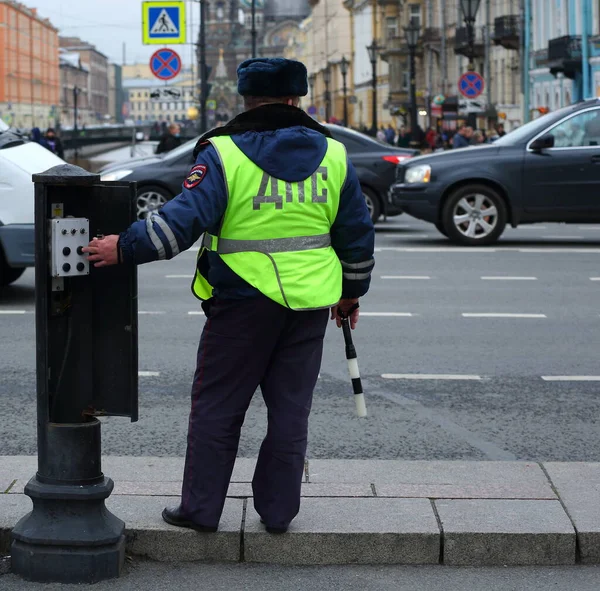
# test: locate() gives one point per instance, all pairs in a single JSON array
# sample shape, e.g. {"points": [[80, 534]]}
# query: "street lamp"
{"points": [[412, 33], [373, 50], [469, 9], [327, 80], [311, 80], [344, 64]]}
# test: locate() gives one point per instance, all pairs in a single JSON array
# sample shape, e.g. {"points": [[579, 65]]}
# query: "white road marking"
{"points": [[196, 313], [588, 228], [13, 312], [559, 237], [479, 250], [179, 276], [387, 314], [405, 277], [571, 378], [425, 376], [148, 374], [150, 312], [194, 250], [499, 278], [406, 235], [500, 315], [529, 227], [594, 278]]}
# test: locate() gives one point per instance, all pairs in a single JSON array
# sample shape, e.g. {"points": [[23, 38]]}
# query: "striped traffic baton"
{"points": [[359, 396]]}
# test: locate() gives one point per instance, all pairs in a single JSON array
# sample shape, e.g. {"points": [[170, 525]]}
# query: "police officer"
{"points": [[286, 237]]}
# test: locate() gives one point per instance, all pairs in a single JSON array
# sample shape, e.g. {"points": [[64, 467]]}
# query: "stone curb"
{"points": [[361, 512]]}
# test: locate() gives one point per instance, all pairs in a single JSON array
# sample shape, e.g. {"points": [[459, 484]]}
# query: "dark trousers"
{"points": [[245, 344]]}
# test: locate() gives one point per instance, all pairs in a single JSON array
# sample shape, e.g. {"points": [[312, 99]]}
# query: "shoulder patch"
{"points": [[195, 177]]}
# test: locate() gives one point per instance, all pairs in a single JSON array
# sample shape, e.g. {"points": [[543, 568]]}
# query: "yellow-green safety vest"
{"points": [[275, 234]]}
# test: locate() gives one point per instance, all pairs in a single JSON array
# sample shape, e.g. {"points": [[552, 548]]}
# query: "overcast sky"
{"points": [[110, 23]]}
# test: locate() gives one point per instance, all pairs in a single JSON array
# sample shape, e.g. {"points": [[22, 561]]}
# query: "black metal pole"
{"points": [[254, 33], [345, 90], [374, 83], [75, 131], [413, 94], [203, 80], [471, 38]]}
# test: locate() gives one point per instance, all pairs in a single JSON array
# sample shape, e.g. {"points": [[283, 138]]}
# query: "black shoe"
{"points": [[174, 516], [274, 530]]}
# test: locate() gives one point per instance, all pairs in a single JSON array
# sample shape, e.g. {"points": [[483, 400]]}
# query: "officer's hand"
{"points": [[103, 251], [344, 306]]}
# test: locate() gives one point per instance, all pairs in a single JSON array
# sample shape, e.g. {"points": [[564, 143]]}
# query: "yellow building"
{"points": [[328, 42]]}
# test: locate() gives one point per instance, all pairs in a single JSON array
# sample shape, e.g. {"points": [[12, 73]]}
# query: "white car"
{"points": [[19, 160]]}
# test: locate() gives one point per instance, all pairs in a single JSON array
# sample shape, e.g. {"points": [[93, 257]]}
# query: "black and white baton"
{"points": [[359, 396]]}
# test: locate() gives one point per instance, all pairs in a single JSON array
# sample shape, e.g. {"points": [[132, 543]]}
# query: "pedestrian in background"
{"points": [[390, 134], [403, 138], [54, 143], [478, 138], [380, 135], [170, 140], [38, 138], [462, 139], [287, 236]]}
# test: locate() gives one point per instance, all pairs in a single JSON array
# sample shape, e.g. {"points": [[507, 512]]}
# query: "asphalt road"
{"points": [[237, 577], [459, 349]]}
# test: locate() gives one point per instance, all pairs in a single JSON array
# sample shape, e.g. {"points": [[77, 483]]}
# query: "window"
{"points": [[414, 14], [405, 81], [391, 27], [581, 130], [220, 11]]}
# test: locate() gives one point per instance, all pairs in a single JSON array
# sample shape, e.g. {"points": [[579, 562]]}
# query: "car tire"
{"points": [[8, 274], [373, 204], [464, 219], [150, 198], [441, 229]]}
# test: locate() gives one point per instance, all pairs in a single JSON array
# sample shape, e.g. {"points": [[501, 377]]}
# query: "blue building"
{"points": [[564, 58]]}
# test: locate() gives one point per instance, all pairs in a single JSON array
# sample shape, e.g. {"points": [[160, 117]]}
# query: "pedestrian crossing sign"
{"points": [[163, 22]]}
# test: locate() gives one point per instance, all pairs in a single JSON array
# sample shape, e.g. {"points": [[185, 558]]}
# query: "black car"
{"points": [[548, 170], [159, 178]]}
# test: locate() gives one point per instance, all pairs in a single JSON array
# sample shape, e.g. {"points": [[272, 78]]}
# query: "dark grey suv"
{"points": [[545, 171]]}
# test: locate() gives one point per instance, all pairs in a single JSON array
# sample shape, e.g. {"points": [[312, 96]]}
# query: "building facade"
{"points": [[229, 42], [74, 90], [29, 72], [97, 65], [116, 94], [559, 73]]}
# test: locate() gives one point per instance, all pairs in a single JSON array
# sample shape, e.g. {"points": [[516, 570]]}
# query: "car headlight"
{"points": [[116, 175], [417, 174]]}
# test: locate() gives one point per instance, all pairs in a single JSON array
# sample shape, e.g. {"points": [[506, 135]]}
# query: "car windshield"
{"points": [[528, 130], [181, 150]]}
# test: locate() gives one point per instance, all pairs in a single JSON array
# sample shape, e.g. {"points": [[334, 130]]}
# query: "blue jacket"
{"points": [[291, 154]]}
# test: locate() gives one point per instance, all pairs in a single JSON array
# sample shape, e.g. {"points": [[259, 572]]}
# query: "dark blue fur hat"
{"points": [[272, 77]]}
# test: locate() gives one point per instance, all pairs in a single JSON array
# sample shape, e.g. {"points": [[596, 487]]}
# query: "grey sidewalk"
{"points": [[361, 512]]}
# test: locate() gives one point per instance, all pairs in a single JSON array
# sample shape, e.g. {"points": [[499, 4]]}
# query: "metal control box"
{"points": [[68, 237]]}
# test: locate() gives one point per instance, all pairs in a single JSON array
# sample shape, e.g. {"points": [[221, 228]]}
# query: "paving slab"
{"points": [[12, 508], [349, 531], [147, 468], [438, 479], [485, 532], [149, 536], [578, 486]]}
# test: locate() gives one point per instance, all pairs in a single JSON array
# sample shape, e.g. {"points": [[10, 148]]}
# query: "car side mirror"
{"points": [[543, 143]]}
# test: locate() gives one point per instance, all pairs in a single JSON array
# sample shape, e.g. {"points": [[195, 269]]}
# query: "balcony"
{"points": [[506, 31], [394, 47], [461, 42], [564, 56], [432, 36]]}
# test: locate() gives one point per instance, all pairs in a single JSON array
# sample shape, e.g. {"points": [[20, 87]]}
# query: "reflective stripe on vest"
{"points": [[276, 234]]}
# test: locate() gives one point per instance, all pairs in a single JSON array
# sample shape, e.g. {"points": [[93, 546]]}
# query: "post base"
{"points": [[69, 536]]}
